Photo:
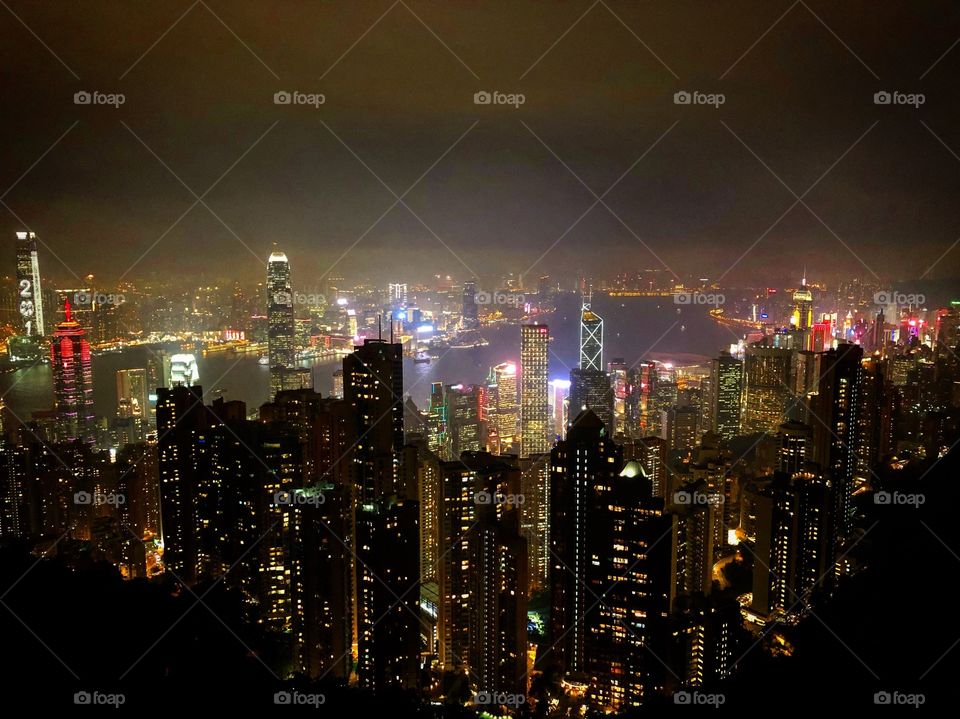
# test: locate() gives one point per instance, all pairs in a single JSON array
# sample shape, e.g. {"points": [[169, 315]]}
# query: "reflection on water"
{"points": [[635, 328]]}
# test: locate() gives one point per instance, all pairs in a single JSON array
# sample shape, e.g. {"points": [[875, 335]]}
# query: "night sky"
{"points": [[502, 185]]}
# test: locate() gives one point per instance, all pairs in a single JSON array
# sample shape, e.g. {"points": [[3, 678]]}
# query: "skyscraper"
{"points": [[591, 389], [469, 309], [29, 291], [132, 406], [373, 387], [506, 406], [281, 349], [591, 339], [726, 386], [767, 377], [534, 403], [72, 381]]}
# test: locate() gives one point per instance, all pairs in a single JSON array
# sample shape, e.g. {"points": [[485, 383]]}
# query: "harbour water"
{"points": [[635, 328]]}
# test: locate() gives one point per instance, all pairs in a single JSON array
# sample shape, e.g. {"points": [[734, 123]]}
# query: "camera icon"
{"points": [[82, 698], [82, 97], [482, 98], [282, 498], [483, 298], [283, 698], [282, 97], [683, 298], [883, 498], [883, 298], [82, 498], [483, 498], [81, 298], [882, 698], [682, 97], [682, 498], [682, 698], [882, 98], [282, 298]]}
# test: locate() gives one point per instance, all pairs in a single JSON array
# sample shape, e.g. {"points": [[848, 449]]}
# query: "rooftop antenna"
{"points": [[391, 328], [379, 327]]}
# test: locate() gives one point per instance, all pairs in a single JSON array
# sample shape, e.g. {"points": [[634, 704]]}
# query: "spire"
{"points": [[803, 282], [66, 309]]}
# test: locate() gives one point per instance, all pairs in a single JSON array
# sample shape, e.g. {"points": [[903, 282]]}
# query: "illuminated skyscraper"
{"points": [[72, 381], [591, 338], [767, 375], [559, 406], [506, 408], [469, 309], [725, 390], [534, 403], [373, 387], [802, 317], [30, 297], [281, 348], [591, 389], [132, 399]]}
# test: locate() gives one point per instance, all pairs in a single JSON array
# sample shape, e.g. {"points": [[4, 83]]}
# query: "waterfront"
{"points": [[635, 328]]}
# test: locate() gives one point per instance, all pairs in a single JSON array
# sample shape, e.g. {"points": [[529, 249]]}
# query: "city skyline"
{"points": [[443, 359]]}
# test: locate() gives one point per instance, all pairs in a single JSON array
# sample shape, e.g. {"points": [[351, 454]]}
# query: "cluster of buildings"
{"points": [[397, 547]]}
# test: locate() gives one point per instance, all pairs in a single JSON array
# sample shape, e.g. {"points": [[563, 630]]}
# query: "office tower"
{"points": [[281, 349], [591, 340], [802, 317], [140, 484], [373, 387], [796, 440], [619, 381], [559, 406], [469, 306], [534, 404], [182, 422], [506, 407], [132, 404], [682, 429], [612, 540], [388, 594], [14, 509], [766, 388], [29, 290], [72, 381], [483, 573], [835, 432], [726, 375], [439, 435], [591, 389], [466, 424], [181, 369], [398, 295]]}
